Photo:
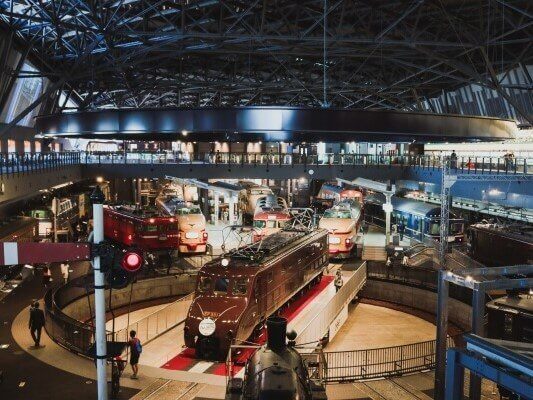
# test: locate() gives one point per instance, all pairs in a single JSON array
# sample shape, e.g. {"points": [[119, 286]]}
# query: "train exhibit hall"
{"points": [[287, 200]]}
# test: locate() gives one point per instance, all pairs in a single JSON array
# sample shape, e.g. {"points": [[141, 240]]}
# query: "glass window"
{"points": [[434, 228], [337, 214], [259, 224], [37, 147], [11, 146], [282, 224], [271, 224], [456, 227], [240, 286], [205, 284], [221, 285], [150, 228], [27, 146]]}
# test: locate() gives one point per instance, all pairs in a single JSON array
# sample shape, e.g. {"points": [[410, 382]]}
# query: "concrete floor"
{"points": [[369, 326]]}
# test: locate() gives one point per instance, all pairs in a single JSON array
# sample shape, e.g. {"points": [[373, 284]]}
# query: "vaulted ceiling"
{"points": [[339, 53]]}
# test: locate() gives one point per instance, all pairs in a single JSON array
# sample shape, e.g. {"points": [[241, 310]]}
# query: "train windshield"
{"points": [[240, 286], [337, 214], [434, 228], [259, 224], [221, 285], [205, 284], [188, 211], [456, 228]]}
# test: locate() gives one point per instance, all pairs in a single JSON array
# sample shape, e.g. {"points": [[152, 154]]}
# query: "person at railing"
{"points": [[453, 160], [36, 323], [401, 229]]}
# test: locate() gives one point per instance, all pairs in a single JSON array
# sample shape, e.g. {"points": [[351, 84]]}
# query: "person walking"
{"points": [[338, 280], [36, 323], [453, 159], [47, 276], [65, 267], [401, 229], [135, 352]]}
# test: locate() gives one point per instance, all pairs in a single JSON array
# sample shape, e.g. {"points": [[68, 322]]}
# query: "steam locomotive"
{"points": [[276, 371], [236, 293]]}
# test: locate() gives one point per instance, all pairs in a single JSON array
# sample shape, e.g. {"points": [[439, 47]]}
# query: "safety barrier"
{"points": [[157, 323], [319, 326], [67, 307], [342, 366]]}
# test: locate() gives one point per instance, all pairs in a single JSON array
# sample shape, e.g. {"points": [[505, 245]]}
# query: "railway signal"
{"points": [[132, 262]]}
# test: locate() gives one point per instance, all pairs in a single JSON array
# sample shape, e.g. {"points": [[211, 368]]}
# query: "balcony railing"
{"points": [[13, 163]]}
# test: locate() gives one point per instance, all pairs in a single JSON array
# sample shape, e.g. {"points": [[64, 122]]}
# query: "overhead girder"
{"points": [[379, 54]]}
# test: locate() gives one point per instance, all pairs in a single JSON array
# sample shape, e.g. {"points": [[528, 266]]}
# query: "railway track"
{"points": [[166, 389]]}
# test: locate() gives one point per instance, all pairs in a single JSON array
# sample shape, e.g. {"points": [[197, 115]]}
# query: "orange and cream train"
{"points": [[342, 222], [192, 236]]}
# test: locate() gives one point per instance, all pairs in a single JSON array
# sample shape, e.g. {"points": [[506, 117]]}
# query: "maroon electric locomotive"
{"points": [[237, 292]]}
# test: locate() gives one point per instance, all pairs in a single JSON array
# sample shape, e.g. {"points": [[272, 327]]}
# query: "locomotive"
{"points": [[276, 371], [496, 245], [342, 222], [422, 220], [237, 292], [145, 229], [250, 197], [191, 222], [511, 318], [338, 193], [271, 216]]}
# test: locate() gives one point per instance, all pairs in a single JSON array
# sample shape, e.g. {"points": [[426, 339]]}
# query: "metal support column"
{"points": [[231, 209], [97, 198], [216, 207], [478, 328], [447, 182], [387, 207]]}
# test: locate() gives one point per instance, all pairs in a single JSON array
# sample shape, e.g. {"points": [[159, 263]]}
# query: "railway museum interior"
{"points": [[308, 200]]}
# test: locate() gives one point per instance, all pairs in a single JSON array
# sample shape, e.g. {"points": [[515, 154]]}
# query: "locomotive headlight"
{"points": [[224, 262], [207, 327]]}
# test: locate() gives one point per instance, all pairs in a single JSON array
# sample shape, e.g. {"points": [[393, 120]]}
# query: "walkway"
{"points": [[26, 377]]}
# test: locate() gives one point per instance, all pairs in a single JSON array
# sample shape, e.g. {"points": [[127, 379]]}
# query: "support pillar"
{"points": [[478, 328], [387, 207], [97, 198], [443, 287], [216, 207], [231, 209]]}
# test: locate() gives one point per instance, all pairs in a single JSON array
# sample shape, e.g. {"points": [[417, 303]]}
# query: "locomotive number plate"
{"points": [[334, 240], [162, 237], [191, 235]]}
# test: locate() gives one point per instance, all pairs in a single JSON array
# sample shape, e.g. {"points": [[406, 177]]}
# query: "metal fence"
{"points": [[462, 164], [157, 323], [342, 366], [318, 326], [15, 163]]}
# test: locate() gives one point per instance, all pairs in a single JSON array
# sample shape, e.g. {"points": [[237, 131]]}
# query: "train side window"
{"points": [[205, 284], [221, 285], [240, 286]]}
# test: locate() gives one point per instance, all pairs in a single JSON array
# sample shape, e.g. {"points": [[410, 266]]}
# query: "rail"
{"points": [[20, 163], [319, 326], [78, 336], [157, 323], [343, 366]]}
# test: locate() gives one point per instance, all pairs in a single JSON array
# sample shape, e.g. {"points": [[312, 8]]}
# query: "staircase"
{"points": [[374, 253]]}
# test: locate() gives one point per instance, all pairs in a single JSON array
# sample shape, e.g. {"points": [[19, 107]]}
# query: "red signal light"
{"points": [[132, 261]]}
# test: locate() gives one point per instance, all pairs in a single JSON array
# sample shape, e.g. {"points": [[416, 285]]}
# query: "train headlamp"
{"points": [[224, 262], [207, 327]]}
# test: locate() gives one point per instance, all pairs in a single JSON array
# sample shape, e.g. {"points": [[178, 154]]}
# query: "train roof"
{"points": [[11, 225], [514, 304], [410, 206], [259, 254], [521, 232], [136, 213]]}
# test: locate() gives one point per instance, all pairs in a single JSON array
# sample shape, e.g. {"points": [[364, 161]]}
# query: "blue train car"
{"points": [[422, 220]]}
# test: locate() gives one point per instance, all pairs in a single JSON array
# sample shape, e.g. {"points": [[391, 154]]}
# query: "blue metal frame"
{"points": [[459, 359]]}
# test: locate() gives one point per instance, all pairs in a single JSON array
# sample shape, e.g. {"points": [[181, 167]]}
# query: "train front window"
{"points": [[240, 287], [205, 284], [221, 285], [150, 228], [337, 214], [271, 224], [259, 224], [434, 228], [456, 228]]}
